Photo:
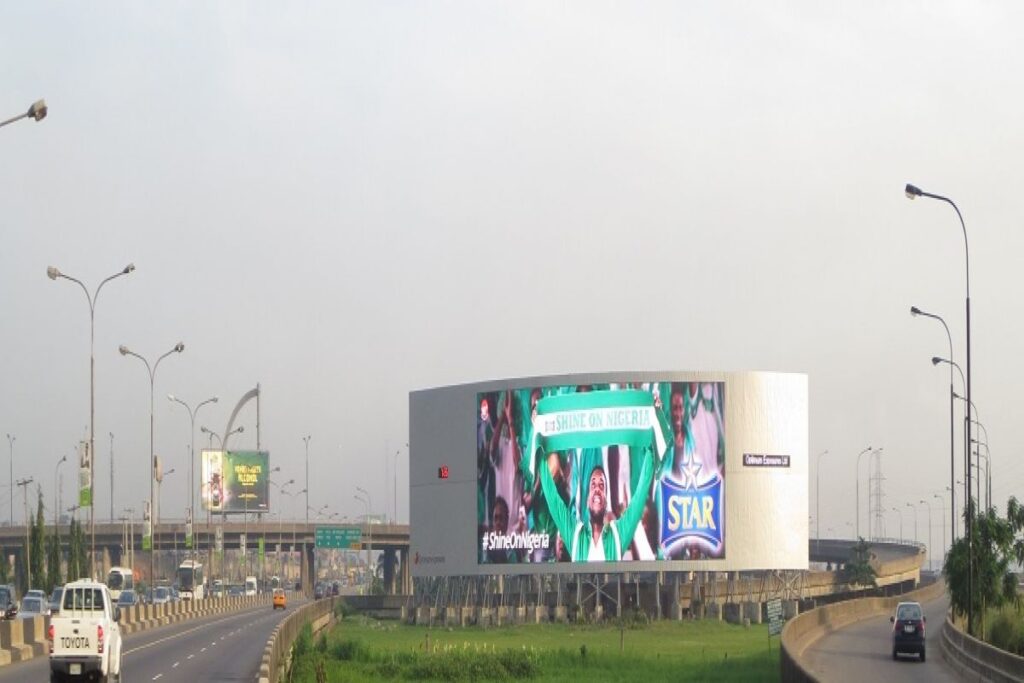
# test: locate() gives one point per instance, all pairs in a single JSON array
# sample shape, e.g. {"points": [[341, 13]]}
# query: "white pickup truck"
{"points": [[85, 639]]}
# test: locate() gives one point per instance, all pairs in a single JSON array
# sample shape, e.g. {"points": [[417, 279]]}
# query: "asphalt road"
{"points": [[223, 647], [863, 652]]}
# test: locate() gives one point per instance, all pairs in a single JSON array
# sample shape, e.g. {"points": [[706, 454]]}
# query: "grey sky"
{"points": [[346, 201]]}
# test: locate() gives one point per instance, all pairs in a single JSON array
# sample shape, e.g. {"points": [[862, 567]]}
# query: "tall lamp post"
{"points": [[900, 513], [938, 497], [913, 192], [54, 273], [191, 449], [369, 546], [125, 351], [857, 491], [56, 505], [10, 442], [210, 433], [911, 506], [36, 112], [111, 477], [306, 440], [931, 548], [915, 311], [817, 499]]}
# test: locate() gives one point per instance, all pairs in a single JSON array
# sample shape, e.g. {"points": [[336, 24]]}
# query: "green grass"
{"points": [[360, 649]]}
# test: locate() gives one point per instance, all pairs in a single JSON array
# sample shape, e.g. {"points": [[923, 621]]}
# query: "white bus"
{"points": [[119, 579], [190, 581]]}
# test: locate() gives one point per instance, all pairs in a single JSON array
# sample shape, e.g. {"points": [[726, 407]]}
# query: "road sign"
{"points": [[338, 537], [774, 617]]}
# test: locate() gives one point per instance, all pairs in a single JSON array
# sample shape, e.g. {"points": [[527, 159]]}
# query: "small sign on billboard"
{"points": [[774, 608]]}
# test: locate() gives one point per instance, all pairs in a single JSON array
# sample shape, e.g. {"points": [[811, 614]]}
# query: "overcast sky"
{"points": [[348, 201]]}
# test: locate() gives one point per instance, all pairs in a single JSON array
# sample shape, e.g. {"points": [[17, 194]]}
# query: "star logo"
{"points": [[690, 469]]}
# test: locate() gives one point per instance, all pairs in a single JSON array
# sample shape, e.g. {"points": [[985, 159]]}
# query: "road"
{"points": [[863, 652], [223, 647]]}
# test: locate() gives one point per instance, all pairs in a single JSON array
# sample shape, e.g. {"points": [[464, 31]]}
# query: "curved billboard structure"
{"points": [[610, 472]]}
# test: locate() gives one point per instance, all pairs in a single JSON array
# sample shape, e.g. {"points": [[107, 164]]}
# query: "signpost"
{"points": [[347, 538]]}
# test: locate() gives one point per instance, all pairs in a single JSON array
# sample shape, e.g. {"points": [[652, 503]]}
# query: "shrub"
{"points": [[1007, 633], [342, 609], [303, 642], [348, 650]]}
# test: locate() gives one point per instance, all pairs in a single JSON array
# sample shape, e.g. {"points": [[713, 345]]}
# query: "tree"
{"points": [[996, 547], [37, 549], [859, 571], [53, 561]]}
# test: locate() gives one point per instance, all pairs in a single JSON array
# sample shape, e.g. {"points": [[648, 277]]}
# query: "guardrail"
{"points": [[278, 651], [972, 658], [802, 630], [23, 639]]}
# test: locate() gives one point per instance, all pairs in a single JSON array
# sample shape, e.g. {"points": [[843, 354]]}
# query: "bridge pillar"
{"points": [[406, 573], [389, 571]]}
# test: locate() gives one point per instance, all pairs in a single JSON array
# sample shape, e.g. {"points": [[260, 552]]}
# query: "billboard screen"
{"points": [[601, 472], [236, 481]]}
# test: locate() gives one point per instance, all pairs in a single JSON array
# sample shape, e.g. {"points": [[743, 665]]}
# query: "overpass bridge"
{"points": [[296, 540]]}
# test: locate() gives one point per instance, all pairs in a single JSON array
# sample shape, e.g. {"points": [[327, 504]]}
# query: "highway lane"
{"points": [[222, 647], [863, 652]]}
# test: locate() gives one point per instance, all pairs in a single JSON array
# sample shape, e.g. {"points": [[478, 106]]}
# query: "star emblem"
{"points": [[690, 469]]}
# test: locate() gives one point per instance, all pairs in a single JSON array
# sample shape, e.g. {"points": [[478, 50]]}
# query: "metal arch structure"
{"points": [[246, 397]]}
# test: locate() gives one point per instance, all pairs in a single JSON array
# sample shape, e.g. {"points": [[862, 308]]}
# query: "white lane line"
{"points": [[178, 635], [203, 650], [157, 676], [175, 665], [191, 656]]}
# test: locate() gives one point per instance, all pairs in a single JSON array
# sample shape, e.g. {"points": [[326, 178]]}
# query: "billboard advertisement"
{"points": [[630, 471], [601, 472], [235, 481]]}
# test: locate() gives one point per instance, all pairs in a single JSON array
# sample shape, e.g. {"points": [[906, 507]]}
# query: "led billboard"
{"points": [[601, 472], [637, 471], [235, 481]]}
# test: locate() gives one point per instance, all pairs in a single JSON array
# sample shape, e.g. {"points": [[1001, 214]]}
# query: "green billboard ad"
{"points": [[236, 481]]}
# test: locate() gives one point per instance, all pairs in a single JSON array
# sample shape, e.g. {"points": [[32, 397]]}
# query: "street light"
{"points": [[915, 311], [931, 548], [54, 273], [817, 499], [36, 112], [56, 505], [968, 406], [900, 513], [191, 455], [911, 506], [10, 442], [857, 491], [306, 440], [913, 192], [220, 441], [125, 351], [369, 546], [988, 468], [939, 498]]}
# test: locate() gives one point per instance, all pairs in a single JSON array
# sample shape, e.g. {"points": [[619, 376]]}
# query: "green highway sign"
{"points": [[338, 537]]}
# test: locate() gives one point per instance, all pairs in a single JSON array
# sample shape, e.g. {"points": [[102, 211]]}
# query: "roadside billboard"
{"points": [[235, 481], [637, 471]]}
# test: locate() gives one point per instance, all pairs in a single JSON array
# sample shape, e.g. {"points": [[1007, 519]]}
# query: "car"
{"points": [[280, 600], [318, 592], [8, 605], [85, 638], [36, 593], [33, 606], [55, 597], [908, 630], [161, 595], [128, 598], [235, 591]]}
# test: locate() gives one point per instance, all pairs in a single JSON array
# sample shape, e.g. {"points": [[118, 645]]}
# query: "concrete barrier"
{"points": [[972, 658], [12, 639], [23, 639], [278, 650], [801, 631]]}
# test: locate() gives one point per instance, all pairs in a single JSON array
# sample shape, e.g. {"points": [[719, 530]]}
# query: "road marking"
{"points": [[175, 665], [191, 656], [157, 676], [203, 650], [178, 635]]}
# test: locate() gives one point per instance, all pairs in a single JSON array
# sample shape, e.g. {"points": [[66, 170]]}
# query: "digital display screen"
{"points": [[235, 481], [602, 472]]}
